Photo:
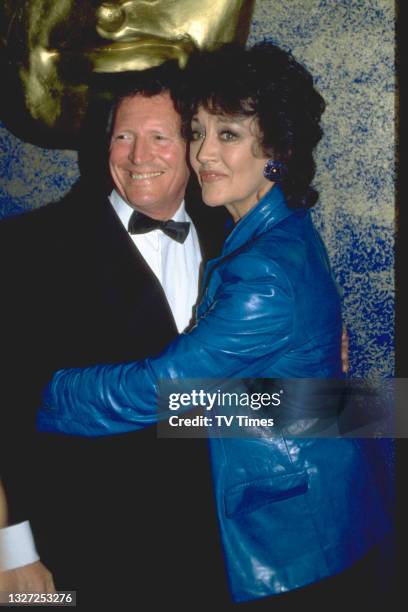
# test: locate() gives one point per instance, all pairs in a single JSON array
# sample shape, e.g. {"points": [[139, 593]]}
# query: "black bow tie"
{"points": [[141, 224]]}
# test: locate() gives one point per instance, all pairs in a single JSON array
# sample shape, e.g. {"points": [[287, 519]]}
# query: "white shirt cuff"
{"points": [[17, 546]]}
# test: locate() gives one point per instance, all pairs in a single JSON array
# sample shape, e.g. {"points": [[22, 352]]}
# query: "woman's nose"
{"points": [[110, 17], [208, 149]]}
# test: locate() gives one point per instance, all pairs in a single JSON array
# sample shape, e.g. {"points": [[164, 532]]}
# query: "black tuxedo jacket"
{"points": [[75, 291]]}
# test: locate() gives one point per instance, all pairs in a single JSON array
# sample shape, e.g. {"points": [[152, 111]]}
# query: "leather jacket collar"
{"points": [[269, 211]]}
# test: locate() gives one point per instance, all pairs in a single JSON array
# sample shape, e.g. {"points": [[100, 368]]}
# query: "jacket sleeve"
{"points": [[245, 328]]}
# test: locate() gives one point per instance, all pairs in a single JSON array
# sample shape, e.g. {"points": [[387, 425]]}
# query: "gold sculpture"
{"points": [[50, 49]]}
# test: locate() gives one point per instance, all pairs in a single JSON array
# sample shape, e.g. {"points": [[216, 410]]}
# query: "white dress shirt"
{"points": [[177, 268], [175, 265]]}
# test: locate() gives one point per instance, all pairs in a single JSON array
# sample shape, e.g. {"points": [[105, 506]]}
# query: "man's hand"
{"points": [[30, 578], [345, 351]]}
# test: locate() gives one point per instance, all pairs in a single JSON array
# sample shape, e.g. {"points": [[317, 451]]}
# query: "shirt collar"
{"points": [[124, 210]]}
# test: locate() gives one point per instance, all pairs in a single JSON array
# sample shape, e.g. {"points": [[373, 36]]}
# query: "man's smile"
{"points": [[140, 176]]}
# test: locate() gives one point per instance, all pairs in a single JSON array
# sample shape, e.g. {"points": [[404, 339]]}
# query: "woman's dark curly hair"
{"points": [[268, 83]]}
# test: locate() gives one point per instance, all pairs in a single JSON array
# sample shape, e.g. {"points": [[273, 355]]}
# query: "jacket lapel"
{"points": [[125, 294]]}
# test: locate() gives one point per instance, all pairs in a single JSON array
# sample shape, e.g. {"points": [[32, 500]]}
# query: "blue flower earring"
{"points": [[275, 171]]}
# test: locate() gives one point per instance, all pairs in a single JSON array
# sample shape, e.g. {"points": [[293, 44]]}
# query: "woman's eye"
{"points": [[227, 135], [196, 135]]}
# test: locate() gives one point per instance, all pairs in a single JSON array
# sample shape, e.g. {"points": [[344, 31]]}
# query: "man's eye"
{"points": [[160, 137], [121, 136], [227, 135]]}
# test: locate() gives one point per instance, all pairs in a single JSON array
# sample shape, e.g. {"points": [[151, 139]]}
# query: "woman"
{"points": [[291, 511]]}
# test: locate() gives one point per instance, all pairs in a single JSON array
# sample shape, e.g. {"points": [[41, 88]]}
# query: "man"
{"points": [[49, 53], [81, 289]]}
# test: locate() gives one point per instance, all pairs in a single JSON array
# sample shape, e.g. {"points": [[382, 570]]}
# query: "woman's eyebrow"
{"points": [[230, 119]]}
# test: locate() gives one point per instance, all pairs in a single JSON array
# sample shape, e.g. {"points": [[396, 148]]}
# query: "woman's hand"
{"points": [[345, 351]]}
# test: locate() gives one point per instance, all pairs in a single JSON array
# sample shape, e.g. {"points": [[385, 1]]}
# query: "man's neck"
{"points": [[124, 210], [161, 213]]}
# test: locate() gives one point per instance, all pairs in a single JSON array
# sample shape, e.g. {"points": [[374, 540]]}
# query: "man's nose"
{"points": [[140, 151]]}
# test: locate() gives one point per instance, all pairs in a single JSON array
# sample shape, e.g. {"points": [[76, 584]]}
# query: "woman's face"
{"points": [[226, 155]]}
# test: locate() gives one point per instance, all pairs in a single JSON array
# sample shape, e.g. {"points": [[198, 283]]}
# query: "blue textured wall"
{"points": [[349, 47]]}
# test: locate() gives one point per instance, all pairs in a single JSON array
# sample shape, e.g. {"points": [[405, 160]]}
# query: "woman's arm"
{"points": [[246, 326]]}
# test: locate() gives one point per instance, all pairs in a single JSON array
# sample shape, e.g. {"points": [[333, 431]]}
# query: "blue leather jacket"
{"points": [[291, 510]]}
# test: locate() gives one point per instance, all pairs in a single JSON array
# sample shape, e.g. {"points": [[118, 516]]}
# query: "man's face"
{"points": [[147, 158], [56, 45]]}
